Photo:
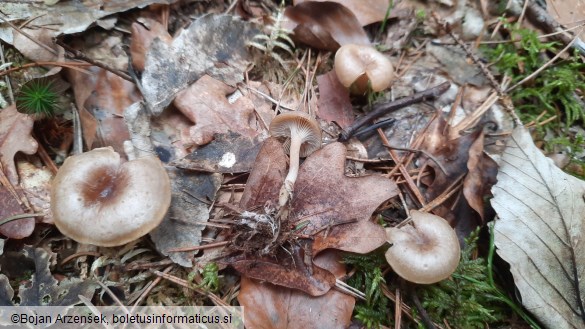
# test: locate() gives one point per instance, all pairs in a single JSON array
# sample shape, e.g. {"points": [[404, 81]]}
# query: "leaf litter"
{"points": [[206, 118]]}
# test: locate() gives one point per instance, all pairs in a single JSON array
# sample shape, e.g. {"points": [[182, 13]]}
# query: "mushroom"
{"points": [[356, 65], [97, 200], [425, 252], [303, 138]]}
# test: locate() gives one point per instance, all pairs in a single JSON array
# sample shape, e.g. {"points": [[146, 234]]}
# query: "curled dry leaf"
{"points": [[540, 232], [206, 104], [366, 12], [270, 306], [15, 136], [331, 208], [326, 25]]}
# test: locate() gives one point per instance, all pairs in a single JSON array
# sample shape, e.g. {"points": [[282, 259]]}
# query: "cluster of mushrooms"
{"points": [[96, 199]]}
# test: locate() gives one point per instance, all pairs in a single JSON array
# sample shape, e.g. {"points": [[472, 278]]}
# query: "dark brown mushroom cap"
{"points": [[302, 123], [426, 252], [97, 200]]}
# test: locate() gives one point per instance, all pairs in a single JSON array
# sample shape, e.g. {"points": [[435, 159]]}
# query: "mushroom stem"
{"points": [[293, 169]]}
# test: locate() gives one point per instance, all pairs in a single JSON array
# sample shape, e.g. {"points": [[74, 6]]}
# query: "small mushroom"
{"points": [[425, 252], [97, 200], [356, 65], [303, 138]]}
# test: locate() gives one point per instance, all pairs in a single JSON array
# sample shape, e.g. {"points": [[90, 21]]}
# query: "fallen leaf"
{"points": [[44, 290], [101, 99], [366, 12], [142, 37], [206, 103], [540, 232], [326, 25], [9, 206], [191, 196], [334, 102], [65, 17], [333, 209], [213, 45], [227, 153], [6, 291], [269, 306], [36, 185], [481, 176], [15, 136]]}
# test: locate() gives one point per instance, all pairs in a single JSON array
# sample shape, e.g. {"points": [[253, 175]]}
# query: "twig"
{"points": [[218, 301], [45, 157], [16, 217], [428, 155], [382, 109], [76, 54], [349, 290], [80, 254], [149, 288], [205, 246], [70, 65], [366, 160]]}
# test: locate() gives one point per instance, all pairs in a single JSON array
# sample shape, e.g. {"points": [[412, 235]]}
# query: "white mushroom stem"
{"points": [[293, 170]]}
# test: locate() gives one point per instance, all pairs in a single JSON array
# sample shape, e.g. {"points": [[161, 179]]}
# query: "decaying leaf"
{"points": [[9, 206], [227, 153], [192, 194], [366, 12], [45, 290], [213, 45], [206, 104], [334, 210], [540, 232], [142, 37], [334, 102], [36, 185], [270, 306], [101, 99], [15, 136], [326, 25]]}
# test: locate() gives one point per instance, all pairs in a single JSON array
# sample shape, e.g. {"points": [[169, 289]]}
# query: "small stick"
{"points": [[76, 54], [45, 157], [382, 109], [30, 37], [206, 246], [430, 156], [149, 288], [70, 65], [16, 217]]}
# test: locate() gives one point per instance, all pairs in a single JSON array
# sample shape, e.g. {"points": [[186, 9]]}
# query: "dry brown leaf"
{"points": [[142, 37], [333, 209], [36, 185], [270, 306], [101, 99], [480, 178], [15, 136], [326, 25], [334, 102], [540, 232], [9, 206], [366, 12], [206, 104]]}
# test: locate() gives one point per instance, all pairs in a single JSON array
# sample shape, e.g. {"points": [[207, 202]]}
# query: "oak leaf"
{"points": [[15, 136], [332, 209]]}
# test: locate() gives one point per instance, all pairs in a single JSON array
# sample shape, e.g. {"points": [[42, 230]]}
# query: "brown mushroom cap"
{"points": [[97, 200], [283, 124], [355, 65], [425, 252]]}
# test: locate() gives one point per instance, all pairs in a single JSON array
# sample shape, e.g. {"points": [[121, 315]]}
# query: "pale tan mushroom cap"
{"points": [[426, 252], [353, 61], [97, 200], [283, 124]]}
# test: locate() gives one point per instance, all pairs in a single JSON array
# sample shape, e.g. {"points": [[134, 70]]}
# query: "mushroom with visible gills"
{"points": [[303, 138], [358, 65], [426, 252], [97, 200]]}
